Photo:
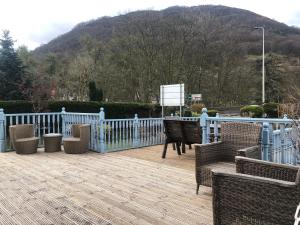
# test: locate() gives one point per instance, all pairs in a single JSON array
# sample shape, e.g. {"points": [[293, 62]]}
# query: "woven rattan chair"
{"points": [[191, 133], [173, 132], [79, 142], [260, 193], [236, 139], [22, 138]]}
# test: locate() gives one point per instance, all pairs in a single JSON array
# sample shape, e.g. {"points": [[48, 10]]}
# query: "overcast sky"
{"points": [[35, 22]]}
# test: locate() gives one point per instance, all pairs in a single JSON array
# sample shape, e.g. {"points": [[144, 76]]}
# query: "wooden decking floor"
{"points": [[128, 187]]}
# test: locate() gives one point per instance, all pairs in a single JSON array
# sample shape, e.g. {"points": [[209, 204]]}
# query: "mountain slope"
{"points": [[280, 38]]}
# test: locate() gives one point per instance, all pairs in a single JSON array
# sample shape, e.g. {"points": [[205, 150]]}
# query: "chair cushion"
{"points": [[206, 171], [27, 139], [71, 139]]}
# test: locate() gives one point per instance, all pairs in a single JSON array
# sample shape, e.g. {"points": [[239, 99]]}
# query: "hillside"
{"points": [[213, 50], [280, 38]]}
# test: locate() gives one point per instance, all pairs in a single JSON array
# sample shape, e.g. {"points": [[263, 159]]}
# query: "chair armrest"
{"points": [[208, 153], [242, 198], [266, 169], [250, 152]]}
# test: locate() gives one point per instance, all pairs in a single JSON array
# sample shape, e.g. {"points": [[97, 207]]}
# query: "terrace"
{"points": [[127, 187], [134, 186]]}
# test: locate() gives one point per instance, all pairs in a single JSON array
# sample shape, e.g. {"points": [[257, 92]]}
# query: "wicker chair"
{"points": [[260, 193], [173, 132], [191, 133], [22, 138], [236, 139], [79, 143]]}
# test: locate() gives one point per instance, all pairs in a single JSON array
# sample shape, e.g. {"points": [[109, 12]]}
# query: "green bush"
{"points": [[212, 112], [271, 109], [254, 111], [187, 113], [16, 106], [112, 110]]}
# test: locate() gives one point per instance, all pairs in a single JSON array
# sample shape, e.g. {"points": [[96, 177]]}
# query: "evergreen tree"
{"points": [[95, 94], [11, 70]]}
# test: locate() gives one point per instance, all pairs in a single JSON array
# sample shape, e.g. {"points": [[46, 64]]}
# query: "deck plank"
{"points": [[126, 187]]}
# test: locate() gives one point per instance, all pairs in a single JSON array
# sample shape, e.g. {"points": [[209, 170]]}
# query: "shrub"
{"points": [[254, 111], [188, 113], [112, 110], [16, 106], [271, 109], [197, 107], [212, 112]]}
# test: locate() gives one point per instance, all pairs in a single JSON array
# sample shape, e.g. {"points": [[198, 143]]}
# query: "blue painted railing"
{"points": [[118, 134]]}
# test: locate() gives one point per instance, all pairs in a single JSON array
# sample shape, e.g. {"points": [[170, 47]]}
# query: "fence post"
{"points": [[135, 130], [216, 129], [102, 127], [2, 131], [63, 123], [203, 124], [265, 141]]}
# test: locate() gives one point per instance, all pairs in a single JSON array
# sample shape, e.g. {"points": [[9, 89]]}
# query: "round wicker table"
{"points": [[52, 142]]}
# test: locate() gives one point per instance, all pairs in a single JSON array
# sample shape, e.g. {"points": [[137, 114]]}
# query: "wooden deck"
{"points": [[127, 187]]}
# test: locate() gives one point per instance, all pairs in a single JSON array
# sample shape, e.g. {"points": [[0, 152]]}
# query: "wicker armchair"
{"points": [[191, 133], [236, 139], [259, 193], [173, 132], [22, 138], [79, 143]]}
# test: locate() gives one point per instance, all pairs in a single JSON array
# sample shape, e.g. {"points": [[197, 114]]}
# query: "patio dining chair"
{"points": [[191, 133], [22, 138], [173, 132], [236, 139], [259, 192]]}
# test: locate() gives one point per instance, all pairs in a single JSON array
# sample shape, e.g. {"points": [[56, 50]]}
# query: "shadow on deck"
{"points": [[127, 187]]}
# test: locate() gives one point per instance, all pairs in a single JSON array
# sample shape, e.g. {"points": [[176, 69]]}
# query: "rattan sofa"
{"points": [[259, 193], [22, 138], [79, 142], [236, 139]]}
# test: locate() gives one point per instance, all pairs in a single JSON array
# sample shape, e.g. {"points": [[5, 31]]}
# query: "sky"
{"points": [[36, 22]]}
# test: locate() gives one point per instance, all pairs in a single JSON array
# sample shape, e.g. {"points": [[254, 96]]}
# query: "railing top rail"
{"points": [[81, 114], [248, 119], [32, 114], [117, 120]]}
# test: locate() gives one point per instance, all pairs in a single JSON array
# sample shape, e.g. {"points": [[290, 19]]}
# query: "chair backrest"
{"points": [[23, 131], [173, 130], [76, 130], [238, 135], [191, 132], [85, 133]]}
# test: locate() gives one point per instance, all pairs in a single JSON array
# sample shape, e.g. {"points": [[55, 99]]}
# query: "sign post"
{"points": [[172, 95]]}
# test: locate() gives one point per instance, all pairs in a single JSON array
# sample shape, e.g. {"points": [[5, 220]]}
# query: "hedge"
{"points": [[212, 112], [112, 110], [16, 106], [254, 111], [271, 110]]}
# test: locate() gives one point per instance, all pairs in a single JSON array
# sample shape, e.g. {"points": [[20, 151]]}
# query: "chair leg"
{"points": [[197, 190], [165, 150], [183, 147], [173, 144], [178, 148], [190, 146]]}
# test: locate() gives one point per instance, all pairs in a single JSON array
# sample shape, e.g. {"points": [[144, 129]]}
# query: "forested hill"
{"points": [[213, 50], [280, 38]]}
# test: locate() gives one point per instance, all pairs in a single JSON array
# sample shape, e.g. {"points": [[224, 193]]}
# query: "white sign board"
{"points": [[196, 97], [172, 95]]}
